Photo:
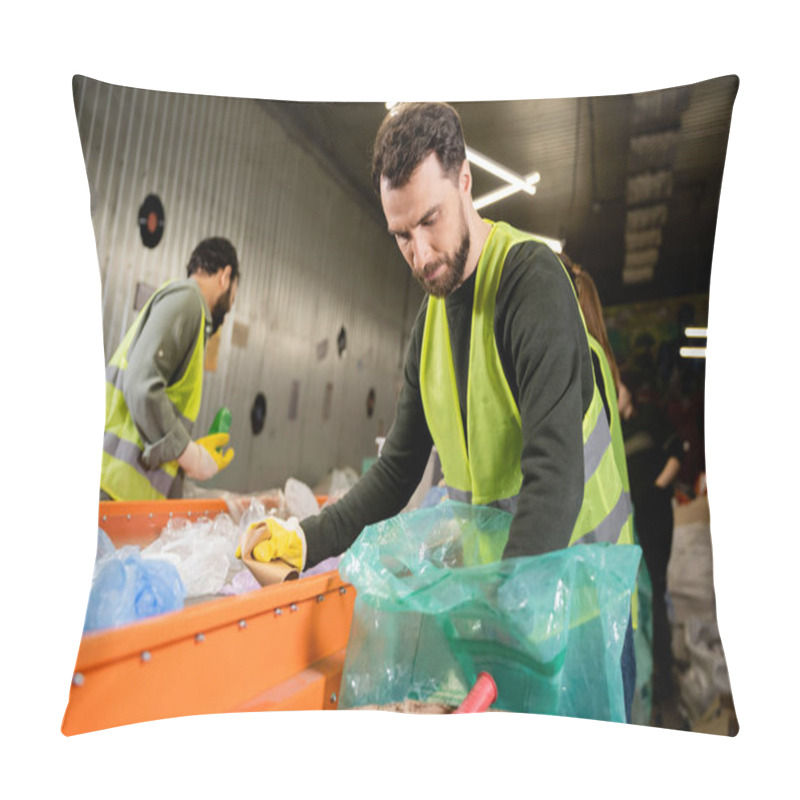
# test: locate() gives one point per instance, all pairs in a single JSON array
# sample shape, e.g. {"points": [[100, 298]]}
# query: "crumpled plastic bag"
{"points": [[707, 675], [301, 502], [435, 606], [105, 547], [242, 582], [203, 551], [127, 588]]}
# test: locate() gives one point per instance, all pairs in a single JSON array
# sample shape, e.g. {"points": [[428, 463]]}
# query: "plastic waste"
{"points": [[434, 495], [127, 588], [105, 547], [300, 500], [222, 421], [242, 582], [203, 552], [435, 606], [255, 512]]}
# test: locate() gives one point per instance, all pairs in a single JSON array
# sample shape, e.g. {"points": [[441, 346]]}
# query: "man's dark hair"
{"points": [[408, 134], [212, 255]]}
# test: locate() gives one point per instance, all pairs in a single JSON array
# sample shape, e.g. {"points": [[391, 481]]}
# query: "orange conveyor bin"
{"points": [[277, 648]]}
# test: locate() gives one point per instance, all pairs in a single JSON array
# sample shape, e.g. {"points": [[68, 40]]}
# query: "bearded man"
{"points": [[154, 384], [498, 372]]}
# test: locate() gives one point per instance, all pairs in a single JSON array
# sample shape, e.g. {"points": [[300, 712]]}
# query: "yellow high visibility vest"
{"points": [[488, 472], [123, 476]]}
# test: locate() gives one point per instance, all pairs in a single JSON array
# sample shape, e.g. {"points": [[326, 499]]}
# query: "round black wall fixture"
{"points": [[151, 220], [258, 414]]}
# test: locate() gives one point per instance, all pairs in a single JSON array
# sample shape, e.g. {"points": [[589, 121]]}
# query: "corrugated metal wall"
{"points": [[313, 259]]}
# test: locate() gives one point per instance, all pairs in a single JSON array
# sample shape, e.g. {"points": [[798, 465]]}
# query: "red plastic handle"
{"points": [[480, 696]]}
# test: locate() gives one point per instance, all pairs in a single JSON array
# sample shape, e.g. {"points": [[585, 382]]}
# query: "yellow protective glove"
{"points": [[213, 444], [271, 538]]}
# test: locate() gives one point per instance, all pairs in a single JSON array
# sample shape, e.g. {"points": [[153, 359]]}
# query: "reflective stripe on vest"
{"points": [[618, 446], [617, 442], [610, 390], [114, 377], [123, 476], [484, 468]]}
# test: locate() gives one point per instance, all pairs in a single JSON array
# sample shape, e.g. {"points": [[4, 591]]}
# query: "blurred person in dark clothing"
{"points": [[653, 451]]}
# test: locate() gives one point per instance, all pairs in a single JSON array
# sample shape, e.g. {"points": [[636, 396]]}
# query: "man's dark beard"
{"points": [[221, 308], [452, 277]]}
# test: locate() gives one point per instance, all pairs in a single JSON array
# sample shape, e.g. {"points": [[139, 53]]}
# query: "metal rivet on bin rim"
{"points": [[342, 589], [146, 655], [320, 598], [77, 679], [293, 607], [200, 637], [278, 612], [333, 697], [242, 623]]}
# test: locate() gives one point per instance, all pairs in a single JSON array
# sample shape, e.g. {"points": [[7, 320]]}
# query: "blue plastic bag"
{"points": [[127, 588], [435, 606]]}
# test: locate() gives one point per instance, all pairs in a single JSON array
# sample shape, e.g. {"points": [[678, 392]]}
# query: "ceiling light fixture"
{"points": [[505, 191], [696, 333], [519, 183], [693, 352]]}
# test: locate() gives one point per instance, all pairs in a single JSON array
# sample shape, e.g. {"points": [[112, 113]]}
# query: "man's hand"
{"points": [[213, 444], [271, 539], [197, 462]]}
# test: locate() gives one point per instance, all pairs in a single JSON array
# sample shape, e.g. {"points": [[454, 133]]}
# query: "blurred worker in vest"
{"points": [[654, 453], [606, 371], [154, 384], [498, 372]]}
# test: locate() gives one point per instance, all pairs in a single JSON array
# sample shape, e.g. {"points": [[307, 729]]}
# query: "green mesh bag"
{"points": [[436, 606]]}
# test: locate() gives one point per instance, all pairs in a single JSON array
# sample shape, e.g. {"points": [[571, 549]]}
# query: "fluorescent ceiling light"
{"points": [[509, 176], [505, 191], [696, 333], [693, 352]]}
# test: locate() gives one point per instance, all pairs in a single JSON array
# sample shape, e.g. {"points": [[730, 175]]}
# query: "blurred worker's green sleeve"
{"points": [[158, 357]]}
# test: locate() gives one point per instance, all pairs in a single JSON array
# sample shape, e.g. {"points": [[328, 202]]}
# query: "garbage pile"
{"points": [[189, 561], [702, 672]]}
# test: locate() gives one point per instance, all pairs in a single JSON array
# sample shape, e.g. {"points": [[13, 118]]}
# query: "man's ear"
{"points": [[225, 277], [465, 178]]}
